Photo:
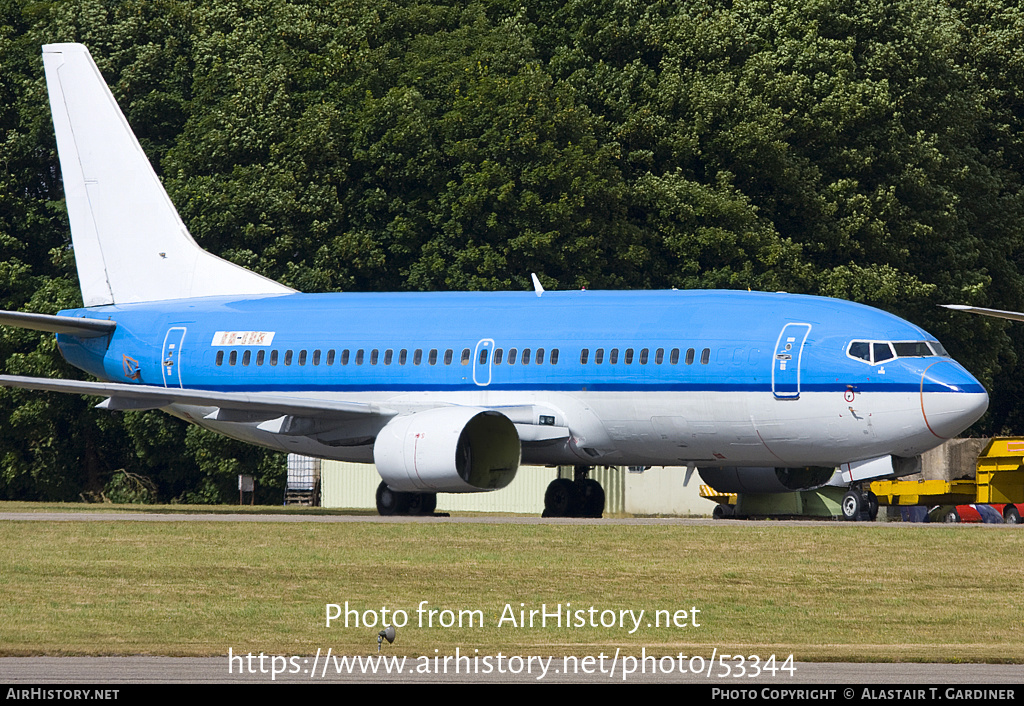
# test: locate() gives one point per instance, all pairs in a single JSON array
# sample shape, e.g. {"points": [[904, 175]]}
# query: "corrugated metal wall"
{"points": [[354, 485], [658, 491]]}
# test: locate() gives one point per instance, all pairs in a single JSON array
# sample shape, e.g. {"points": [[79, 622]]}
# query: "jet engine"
{"points": [[734, 479], [448, 449]]}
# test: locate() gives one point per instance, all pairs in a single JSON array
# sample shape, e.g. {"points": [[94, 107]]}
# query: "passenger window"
{"points": [[220, 357], [359, 357], [448, 356], [705, 356], [465, 356], [389, 355], [554, 356], [483, 356], [613, 356], [260, 356], [659, 356], [374, 356], [512, 353], [403, 356], [643, 356], [273, 357], [432, 358], [344, 356], [584, 354], [498, 354], [674, 357], [417, 356], [539, 358], [689, 356], [246, 357], [316, 357], [629, 356], [330, 357], [599, 356], [302, 357], [526, 356], [288, 357]]}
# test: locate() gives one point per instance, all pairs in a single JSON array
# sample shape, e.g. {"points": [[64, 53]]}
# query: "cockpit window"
{"points": [[881, 352], [861, 349], [913, 349], [875, 352]]}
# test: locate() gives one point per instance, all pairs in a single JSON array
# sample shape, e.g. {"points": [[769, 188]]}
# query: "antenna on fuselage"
{"points": [[537, 287]]}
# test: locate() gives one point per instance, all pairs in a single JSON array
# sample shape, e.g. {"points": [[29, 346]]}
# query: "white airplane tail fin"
{"points": [[130, 244]]}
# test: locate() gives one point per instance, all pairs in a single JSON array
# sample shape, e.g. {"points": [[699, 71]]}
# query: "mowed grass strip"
{"points": [[821, 592]]}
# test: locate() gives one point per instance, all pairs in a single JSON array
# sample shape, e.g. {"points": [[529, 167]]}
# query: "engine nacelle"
{"points": [[734, 479], [448, 449]]}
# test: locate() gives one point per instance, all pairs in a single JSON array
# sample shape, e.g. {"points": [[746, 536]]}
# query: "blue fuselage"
{"points": [[755, 366]]}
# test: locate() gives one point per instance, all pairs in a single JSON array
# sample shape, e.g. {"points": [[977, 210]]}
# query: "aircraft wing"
{"points": [[231, 406], [997, 313]]}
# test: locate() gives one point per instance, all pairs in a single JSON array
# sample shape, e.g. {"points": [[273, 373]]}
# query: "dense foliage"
{"points": [[866, 149]]}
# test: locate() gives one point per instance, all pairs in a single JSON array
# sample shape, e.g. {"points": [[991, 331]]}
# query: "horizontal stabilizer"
{"points": [[75, 326], [150, 397], [996, 313]]}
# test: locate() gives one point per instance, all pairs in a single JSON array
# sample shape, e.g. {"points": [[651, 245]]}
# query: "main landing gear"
{"points": [[580, 497], [391, 502], [859, 504]]}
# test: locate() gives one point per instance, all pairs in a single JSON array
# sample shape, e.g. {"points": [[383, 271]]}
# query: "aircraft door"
{"points": [[482, 362], [786, 361], [171, 363]]}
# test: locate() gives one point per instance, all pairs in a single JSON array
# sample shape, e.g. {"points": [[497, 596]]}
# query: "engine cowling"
{"points": [[734, 479], [448, 449]]}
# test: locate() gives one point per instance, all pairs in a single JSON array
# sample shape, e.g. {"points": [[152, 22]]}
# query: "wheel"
{"points": [[422, 503], [561, 499], [872, 505], [852, 505], [1011, 515], [951, 516], [719, 512], [391, 502], [593, 498]]}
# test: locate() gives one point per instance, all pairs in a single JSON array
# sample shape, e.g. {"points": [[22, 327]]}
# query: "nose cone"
{"points": [[951, 399]]}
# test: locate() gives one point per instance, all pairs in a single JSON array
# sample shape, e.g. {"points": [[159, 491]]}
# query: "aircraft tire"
{"points": [[1011, 515], [952, 516], [422, 503], [391, 502], [852, 505], [561, 499], [871, 502], [593, 498]]}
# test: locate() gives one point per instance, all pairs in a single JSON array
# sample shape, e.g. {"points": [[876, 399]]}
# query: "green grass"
{"points": [[824, 591]]}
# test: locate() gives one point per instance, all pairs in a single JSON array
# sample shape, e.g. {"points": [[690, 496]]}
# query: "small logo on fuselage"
{"points": [[131, 367]]}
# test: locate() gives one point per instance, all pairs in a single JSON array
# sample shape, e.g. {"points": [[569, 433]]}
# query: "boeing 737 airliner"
{"points": [[450, 392]]}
